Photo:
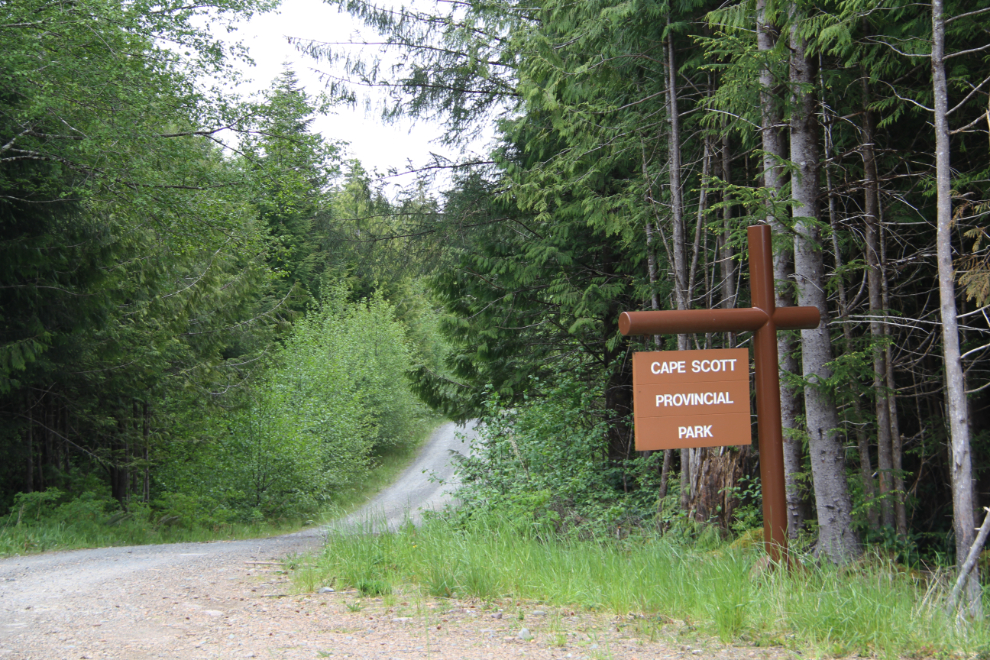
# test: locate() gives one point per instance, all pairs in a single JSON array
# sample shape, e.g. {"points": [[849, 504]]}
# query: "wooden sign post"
{"points": [[764, 319]]}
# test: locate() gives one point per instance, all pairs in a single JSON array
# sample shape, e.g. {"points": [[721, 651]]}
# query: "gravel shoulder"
{"points": [[232, 600]]}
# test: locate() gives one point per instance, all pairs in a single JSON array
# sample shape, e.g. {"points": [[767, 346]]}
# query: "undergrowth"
{"points": [[873, 607], [57, 520]]}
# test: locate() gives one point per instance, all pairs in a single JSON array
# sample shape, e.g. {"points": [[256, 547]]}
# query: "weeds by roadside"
{"points": [[873, 607], [54, 520]]}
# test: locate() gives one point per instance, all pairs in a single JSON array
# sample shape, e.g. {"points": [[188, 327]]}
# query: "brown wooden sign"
{"points": [[687, 399], [764, 318]]}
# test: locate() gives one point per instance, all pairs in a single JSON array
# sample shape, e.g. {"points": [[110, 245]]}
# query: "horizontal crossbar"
{"points": [[677, 322]]}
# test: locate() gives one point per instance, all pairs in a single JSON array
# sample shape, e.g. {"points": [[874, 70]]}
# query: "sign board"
{"points": [[691, 398]]}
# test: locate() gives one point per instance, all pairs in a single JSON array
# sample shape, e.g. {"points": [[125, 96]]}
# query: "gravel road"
{"points": [[85, 603], [425, 485]]}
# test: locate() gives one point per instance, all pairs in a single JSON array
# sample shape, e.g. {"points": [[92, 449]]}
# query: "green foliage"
{"points": [[458, 67], [749, 514], [130, 259], [54, 519], [34, 503], [542, 465], [292, 170], [335, 396]]}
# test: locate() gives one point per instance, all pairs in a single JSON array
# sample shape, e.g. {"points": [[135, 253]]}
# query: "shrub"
{"points": [[334, 394]]}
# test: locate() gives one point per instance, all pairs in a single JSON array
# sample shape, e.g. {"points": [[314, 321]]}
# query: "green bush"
{"points": [[333, 396], [543, 466], [36, 505]]}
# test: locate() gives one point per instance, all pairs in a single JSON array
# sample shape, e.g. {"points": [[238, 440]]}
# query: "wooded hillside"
{"points": [[183, 304]]}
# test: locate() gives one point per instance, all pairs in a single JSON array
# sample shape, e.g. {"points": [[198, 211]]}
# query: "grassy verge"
{"points": [[870, 608], [108, 531], [87, 522]]}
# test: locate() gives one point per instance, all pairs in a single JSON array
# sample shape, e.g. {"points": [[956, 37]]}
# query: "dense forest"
{"points": [[180, 266], [189, 332]]}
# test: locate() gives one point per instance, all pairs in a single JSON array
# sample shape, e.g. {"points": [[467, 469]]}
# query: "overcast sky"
{"points": [[379, 147]]}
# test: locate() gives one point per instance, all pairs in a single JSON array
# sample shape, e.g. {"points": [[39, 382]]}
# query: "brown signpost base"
{"points": [[764, 319]]}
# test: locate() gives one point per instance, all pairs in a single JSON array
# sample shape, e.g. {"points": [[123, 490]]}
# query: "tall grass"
{"points": [[870, 608]]}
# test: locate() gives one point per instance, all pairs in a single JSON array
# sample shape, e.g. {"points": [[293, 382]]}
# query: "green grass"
{"points": [[87, 525], [63, 535], [871, 608]]}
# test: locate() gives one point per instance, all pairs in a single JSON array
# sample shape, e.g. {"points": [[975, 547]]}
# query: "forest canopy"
{"points": [[182, 303]]}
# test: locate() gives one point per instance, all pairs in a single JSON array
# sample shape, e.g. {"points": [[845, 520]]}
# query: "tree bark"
{"points": [[29, 485], [874, 276], [119, 474], [961, 467], [651, 264], [727, 270], [896, 440], [651, 259], [836, 537], [714, 479], [146, 434], [773, 176], [713, 470], [681, 295], [46, 442]]}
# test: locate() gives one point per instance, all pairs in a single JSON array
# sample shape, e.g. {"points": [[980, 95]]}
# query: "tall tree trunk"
{"points": [[727, 266], [896, 440], [862, 439], [681, 295], [713, 470], [897, 449], [29, 482], [146, 434], [836, 537], [119, 474], [961, 458], [46, 442], [885, 460], [651, 259], [774, 149], [651, 263]]}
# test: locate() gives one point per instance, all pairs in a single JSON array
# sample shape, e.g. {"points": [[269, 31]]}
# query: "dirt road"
{"points": [[112, 602], [425, 485]]}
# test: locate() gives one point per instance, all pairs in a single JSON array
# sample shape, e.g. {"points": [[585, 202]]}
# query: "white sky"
{"points": [[378, 146]]}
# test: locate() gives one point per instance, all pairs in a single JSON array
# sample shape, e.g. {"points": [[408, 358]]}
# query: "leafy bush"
{"points": [[544, 465], [334, 394], [35, 505]]}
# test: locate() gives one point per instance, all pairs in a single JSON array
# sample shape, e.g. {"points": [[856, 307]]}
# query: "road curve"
{"points": [[426, 485], [46, 597]]}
